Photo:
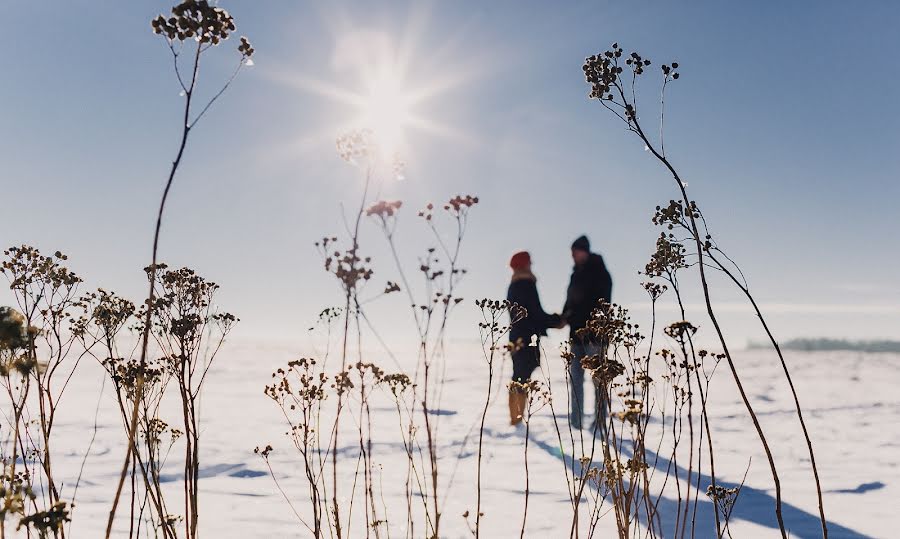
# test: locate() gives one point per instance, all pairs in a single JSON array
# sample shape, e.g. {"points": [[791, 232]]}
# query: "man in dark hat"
{"points": [[589, 284]]}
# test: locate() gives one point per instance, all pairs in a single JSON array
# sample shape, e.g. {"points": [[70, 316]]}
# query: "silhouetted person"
{"points": [[525, 358], [589, 284]]}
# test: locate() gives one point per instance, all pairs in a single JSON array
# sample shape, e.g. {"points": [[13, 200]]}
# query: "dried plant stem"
{"points": [[18, 410], [715, 321], [317, 531], [484, 411], [151, 296], [531, 388], [703, 395], [812, 457], [712, 460], [87, 452]]}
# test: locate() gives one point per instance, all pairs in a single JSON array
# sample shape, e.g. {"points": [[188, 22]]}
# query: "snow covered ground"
{"points": [[851, 403]]}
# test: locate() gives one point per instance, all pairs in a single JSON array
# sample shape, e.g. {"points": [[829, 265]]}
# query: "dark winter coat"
{"points": [[589, 284], [523, 290]]}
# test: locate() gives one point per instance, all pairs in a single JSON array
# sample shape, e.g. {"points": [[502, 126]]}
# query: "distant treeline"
{"points": [[824, 345]]}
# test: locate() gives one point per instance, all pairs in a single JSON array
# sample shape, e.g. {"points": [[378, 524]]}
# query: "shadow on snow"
{"points": [[753, 505]]}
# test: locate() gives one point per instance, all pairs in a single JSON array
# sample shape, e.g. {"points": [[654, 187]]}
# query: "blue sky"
{"points": [[784, 122]]}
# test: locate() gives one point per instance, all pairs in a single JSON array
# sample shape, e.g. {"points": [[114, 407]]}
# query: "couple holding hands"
{"points": [[590, 283]]}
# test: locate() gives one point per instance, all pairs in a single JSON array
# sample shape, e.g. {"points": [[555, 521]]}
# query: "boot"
{"points": [[522, 403], [516, 407]]}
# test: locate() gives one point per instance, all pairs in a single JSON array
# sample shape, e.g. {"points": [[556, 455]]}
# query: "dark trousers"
{"points": [[576, 380], [525, 360]]}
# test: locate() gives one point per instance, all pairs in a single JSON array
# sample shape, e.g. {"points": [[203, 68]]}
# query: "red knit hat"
{"points": [[520, 260]]}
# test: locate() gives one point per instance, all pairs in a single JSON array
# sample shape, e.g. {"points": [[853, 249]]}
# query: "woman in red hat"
{"points": [[526, 355]]}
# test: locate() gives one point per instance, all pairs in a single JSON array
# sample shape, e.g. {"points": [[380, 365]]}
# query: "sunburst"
{"points": [[390, 99]]}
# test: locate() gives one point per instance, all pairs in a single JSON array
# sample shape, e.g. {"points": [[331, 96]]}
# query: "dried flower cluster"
{"points": [[357, 147], [49, 521], [492, 311], [26, 267], [681, 330], [349, 268], [13, 333], [460, 204], [654, 290], [724, 498], [669, 71], [668, 258], [245, 48], [611, 324], [675, 215], [195, 19], [384, 209], [633, 412], [601, 71], [396, 383]]}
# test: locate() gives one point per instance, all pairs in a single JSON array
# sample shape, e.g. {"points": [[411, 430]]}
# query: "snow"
{"points": [[850, 402]]}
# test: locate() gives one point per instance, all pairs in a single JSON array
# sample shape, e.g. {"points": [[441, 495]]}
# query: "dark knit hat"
{"points": [[582, 244], [520, 260]]}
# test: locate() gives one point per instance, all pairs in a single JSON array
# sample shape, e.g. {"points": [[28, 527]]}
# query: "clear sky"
{"points": [[784, 122]]}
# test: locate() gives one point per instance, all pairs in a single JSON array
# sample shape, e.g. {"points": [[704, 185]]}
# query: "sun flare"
{"points": [[380, 85], [386, 108]]}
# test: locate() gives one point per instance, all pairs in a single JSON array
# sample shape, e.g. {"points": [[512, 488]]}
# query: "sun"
{"points": [[386, 108], [380, 82]]}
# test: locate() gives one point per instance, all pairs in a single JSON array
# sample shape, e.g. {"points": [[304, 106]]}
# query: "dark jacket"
{"points": [[589, 284], [524, 292]]}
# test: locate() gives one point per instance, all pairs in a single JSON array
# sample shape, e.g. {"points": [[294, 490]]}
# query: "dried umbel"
{"points": [[633, 412], [46, 291], [604, 73], [300, 391], [245, 48], [106, 314], [427, 212], [460, 204], [183, 288], [537, 392], [383, 209], [368, 372], [350, 269], [16, 493], [47, 522], [307, 387], [195, 19], [265, 451], [13, 334], [611, 324], [397, 383], [668, 258], [654, 290], [523, 387], [603, 369], [724, 498], [357, 147], [390, 287], [681, 330], [154, 430], [493, 309], [126, 373], [26, 267], [183, 307], [18, 363], [703, 354], [669, 71], [429, 266], [674, 215]]}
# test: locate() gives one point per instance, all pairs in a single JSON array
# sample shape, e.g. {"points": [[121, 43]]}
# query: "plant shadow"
{"points": [[753, 505]]}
